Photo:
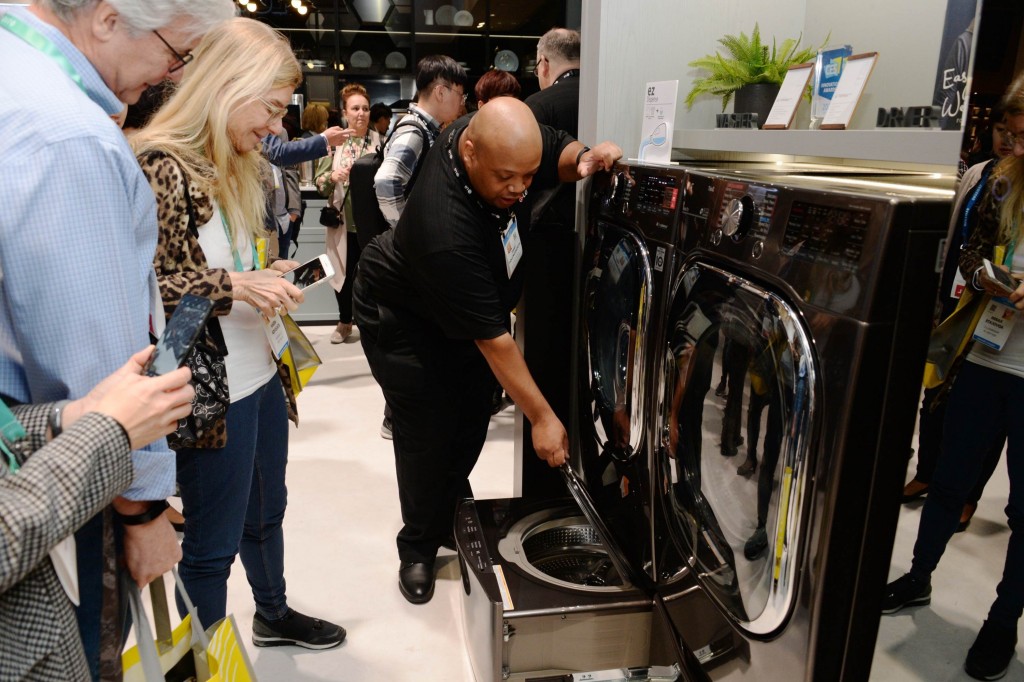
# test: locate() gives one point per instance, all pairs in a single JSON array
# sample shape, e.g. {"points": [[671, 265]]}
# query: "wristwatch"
{"points": [[55, 418], [155, 510]]}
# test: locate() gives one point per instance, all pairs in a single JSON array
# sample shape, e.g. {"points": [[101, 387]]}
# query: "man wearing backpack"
{"points": [[440, 88], [440, 93]]}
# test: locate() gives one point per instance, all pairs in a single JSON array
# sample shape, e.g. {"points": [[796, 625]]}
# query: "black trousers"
{"points": [[344, 297], [439, 392]]}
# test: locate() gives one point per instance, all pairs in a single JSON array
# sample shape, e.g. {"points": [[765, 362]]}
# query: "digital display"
{"points": [[830, 235], [179, 335], [658, 195], [308, 273]]}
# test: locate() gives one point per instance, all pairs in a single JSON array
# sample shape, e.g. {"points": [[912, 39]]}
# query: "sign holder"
{"points": [[786, 102], [849, 90]]}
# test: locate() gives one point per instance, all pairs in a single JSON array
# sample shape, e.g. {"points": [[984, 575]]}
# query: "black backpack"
{"points": [[366, 212]]}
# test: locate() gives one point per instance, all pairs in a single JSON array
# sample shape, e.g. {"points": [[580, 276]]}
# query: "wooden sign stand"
{"points": [[786, 102], [849, 90]]}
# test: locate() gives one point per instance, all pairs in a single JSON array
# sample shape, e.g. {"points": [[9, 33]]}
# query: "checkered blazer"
{"points": [[60, 486]]}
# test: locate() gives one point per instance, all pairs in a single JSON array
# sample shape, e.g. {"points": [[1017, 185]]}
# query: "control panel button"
{"points": [[757, 250]]}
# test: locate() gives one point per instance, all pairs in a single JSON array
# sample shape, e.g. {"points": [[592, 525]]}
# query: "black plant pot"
{"points": [[756, 99]]}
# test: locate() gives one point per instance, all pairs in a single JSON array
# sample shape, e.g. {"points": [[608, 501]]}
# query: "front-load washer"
{"points": [[816, 298], [558, 586]]}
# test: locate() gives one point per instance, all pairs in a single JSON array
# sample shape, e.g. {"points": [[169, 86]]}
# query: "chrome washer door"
{"points": [[615, 315], [735, 427]]}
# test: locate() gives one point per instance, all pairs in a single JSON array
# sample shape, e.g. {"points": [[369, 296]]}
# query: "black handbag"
{"points": [[209, 375], [329, 217]]}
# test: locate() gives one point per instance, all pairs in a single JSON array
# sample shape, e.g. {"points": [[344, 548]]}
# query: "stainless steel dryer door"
{"points": [[734, 428]]}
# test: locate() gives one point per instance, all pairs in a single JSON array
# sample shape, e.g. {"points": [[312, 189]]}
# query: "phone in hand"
{"points": [[311, 272], [180, 335], [1000, 277]]}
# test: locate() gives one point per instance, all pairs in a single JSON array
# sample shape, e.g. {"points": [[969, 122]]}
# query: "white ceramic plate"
{"points": [[463, 18], [444, 15], [361, 60], [506, 60], [395, 60]]}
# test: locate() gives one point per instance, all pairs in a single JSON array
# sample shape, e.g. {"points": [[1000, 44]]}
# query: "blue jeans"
{"points": [[983, 405], [233, 501]]}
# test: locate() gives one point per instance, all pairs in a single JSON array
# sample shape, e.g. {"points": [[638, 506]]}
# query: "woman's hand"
{"points": [[339, 174], [284, 265], [147, 407], [266, 291]]}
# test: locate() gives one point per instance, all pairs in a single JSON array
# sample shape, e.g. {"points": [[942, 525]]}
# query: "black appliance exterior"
{"points": [[859, 352], [838, 285]]}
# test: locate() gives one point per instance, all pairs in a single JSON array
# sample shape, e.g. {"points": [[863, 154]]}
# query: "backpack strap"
{"points": [[414, 122]]}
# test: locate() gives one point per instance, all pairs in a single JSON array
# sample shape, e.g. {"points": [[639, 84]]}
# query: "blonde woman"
{"points": [[201, 153], [984, 404], [342, 244]]}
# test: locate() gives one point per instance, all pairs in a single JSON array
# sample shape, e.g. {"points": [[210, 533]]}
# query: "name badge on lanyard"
{"points": [[995, 324], [277, 335], [512, 244]]}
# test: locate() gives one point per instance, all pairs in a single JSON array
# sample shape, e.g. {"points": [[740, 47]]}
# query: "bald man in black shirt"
{"points": [[432, 301]]}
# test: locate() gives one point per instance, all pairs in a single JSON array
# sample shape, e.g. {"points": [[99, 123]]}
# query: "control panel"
{"points": [[471, 539], [648, 199]]}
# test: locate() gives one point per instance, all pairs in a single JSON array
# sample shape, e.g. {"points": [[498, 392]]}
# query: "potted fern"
{"points": [[750, 70]]}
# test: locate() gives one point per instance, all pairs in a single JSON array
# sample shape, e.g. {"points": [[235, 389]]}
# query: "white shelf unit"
{"points": [[891, 148]]}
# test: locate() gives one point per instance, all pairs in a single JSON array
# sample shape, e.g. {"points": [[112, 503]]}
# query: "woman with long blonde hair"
{"points": [[201, 153], [986, 402]]}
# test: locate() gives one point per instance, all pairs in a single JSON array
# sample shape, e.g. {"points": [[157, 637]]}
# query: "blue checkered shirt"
{"points": [[401, 155], [77, 235]]}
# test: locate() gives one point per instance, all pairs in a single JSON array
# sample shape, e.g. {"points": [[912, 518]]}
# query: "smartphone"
{"points": [[180, 335], [1002, 278], [311, 272]]}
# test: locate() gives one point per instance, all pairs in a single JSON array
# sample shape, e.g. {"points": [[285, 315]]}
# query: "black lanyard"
{"points": [[502, 221]]}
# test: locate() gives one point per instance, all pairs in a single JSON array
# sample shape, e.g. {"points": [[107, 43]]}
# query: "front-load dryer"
{"points": [[816, 299]]}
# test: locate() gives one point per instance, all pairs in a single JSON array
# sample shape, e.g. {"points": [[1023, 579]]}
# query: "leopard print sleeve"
{"points": [[179, 261]]}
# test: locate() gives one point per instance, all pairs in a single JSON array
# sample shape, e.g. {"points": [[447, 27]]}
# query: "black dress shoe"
{"points": [[416, 581]]}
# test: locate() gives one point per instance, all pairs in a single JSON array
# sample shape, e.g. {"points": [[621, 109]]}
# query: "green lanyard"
{"points": [[234, 252], [41, 43], [11, 431]]}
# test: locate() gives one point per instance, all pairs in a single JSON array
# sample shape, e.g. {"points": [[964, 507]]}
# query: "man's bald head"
{"points": [[501, 150]]}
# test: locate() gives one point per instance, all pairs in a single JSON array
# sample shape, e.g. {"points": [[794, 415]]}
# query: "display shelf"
{"points": [[900, 147]]}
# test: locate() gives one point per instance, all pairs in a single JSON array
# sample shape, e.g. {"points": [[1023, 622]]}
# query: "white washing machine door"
{"points": [[732, 458]]}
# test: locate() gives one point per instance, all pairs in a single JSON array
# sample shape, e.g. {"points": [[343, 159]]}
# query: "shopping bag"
{"points": [[177, 655], [228, 659], [299, 356], [949, 340]]}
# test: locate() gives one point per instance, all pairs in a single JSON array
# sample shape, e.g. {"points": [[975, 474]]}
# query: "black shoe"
{"points": [[747, 468], [991, 653], [757, 543], [721, 389], [914, 490], [906, 591], [416, 581], [385, 429], [296, 629]]}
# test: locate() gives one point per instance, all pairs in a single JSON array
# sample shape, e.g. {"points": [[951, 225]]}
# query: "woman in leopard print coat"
{"points": [[201, 153]]}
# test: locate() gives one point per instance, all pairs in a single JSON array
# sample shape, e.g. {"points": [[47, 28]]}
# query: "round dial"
{"points": [[739, 216]]}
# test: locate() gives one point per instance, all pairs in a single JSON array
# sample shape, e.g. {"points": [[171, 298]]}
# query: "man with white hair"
{"points": [[77, 288]]}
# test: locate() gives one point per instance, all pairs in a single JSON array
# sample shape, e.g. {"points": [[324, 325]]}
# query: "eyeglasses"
{"points": [[464, 95], [1013, 139], [274, 112], [537, 67], [179, 60]]}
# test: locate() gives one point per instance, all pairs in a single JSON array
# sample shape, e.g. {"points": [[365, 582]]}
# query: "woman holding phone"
{"points": [[985, 404], [201, 153]]}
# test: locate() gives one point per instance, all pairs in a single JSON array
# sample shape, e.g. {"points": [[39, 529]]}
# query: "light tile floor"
{"points": [[341, 562]]}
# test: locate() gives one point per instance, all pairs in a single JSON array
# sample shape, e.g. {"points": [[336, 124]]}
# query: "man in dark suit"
{"points": [[548, 289]]}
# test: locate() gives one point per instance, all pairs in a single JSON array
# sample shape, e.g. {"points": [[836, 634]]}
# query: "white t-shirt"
{"points": [[249, 361]]}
